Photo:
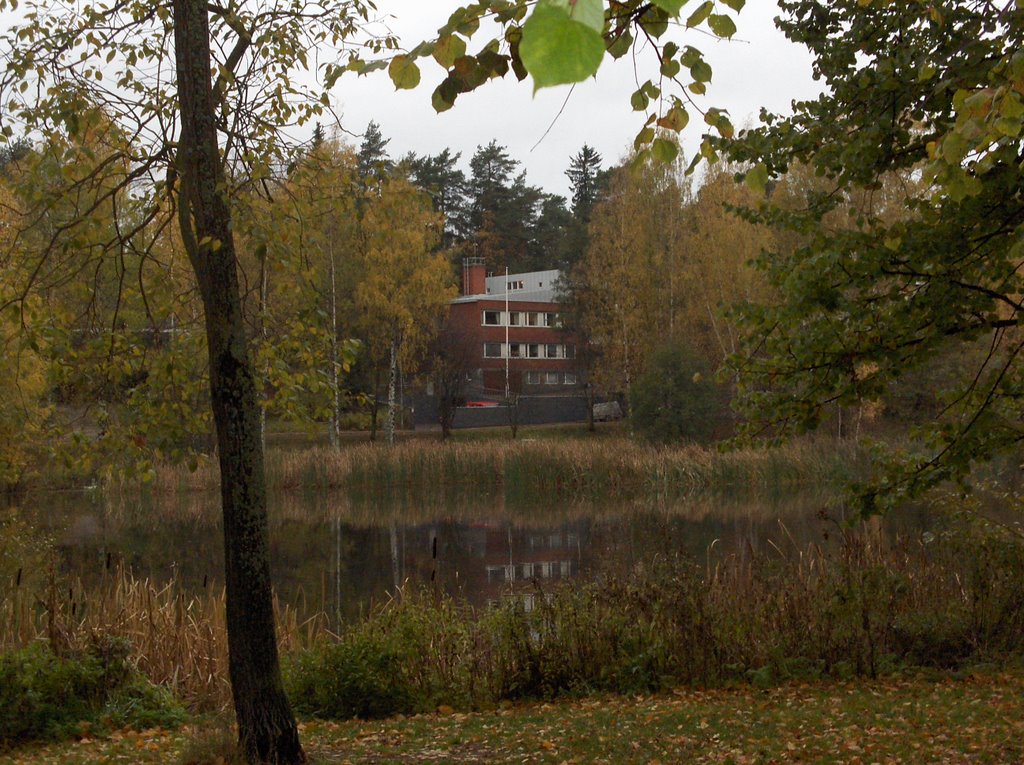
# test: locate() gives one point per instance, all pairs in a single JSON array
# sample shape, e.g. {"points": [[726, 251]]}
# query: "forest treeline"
{"points": [[348, 257]]}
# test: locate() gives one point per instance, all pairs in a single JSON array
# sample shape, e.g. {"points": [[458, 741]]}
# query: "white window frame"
{"points": [[569, 378], [533, 378], [501, 351], [485, 323], [551, 378]]}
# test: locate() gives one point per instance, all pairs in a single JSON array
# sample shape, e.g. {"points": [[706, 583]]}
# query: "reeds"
{"points": [[859, 607], [569, 469], [176, 639], [855, 605]]}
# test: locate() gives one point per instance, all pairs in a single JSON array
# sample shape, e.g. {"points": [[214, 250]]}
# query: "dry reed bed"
{"points": [[178, 640], [202, 508], [855, 603], [572, 468]]}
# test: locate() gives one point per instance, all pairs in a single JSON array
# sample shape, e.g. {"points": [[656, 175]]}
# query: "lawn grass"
{"points": [[975, 717]]}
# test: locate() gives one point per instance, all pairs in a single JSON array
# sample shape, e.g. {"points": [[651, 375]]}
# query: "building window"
{"points": [[533, 351], [533, 378], [549, 320], [515, 285], [551, 351], [492, 318], [515, 319], [570, 378], [501, 573], [492, 350], [570, 351], [516, 350], [551, 378], [532, 319]]}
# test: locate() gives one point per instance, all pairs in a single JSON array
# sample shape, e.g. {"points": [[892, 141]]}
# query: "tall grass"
{"points": [[857, 605], [861, 607], [176, 640], [572, 468]]}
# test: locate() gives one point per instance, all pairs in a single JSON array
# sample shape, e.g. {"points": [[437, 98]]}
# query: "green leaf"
{"points": [[672, 7], [587, 12], [620, 47], [1008, 126], [643, 138], [558, 50], [665, 150], [675, 119], [700, 15], [441, 100], [449, 48], [639, 100], [736, 5], [404, 72], [757, 178], [722, 25], [701, 71], [654, 21], [670, 68]]}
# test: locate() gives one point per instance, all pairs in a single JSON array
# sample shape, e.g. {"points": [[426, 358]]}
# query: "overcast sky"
{"points": [[759, 67]]}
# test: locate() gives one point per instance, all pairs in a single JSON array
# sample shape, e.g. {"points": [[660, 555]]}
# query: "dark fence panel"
{"points": [[533, 410]]}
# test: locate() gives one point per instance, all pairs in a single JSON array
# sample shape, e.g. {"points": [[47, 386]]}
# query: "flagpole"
{"points": [[508, 348]]}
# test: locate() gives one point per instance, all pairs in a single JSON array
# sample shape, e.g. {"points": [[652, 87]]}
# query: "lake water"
{"points": [[331, 555]]}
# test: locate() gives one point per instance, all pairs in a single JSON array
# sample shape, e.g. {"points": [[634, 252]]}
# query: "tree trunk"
{"points": [[335, 361], [266, 727], [375, 404], [392, 385]]}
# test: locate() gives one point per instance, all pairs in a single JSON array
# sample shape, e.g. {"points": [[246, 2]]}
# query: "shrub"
{"points": [[355, 678], [677, 399], [44, 696], [410, 656]]}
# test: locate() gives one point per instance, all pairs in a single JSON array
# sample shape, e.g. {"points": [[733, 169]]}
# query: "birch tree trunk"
{"points": [[392, 389], [335, 361]]}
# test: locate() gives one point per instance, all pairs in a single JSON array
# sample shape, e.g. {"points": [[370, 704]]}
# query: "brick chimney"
{"points": [[474, 276]]}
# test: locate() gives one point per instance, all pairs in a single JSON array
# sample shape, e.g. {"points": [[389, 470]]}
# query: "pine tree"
{"points": [[372, 158], [585, 177], [440, 177]]}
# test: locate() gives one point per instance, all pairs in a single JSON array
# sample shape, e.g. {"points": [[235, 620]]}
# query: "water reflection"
{"points": [[328, 555]]}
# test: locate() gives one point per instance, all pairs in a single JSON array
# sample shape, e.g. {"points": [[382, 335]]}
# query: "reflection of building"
{"points": [[512, 324], [516, 561]]}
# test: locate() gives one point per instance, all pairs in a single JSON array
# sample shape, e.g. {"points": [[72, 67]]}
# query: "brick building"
{"points": [[512, 325]]}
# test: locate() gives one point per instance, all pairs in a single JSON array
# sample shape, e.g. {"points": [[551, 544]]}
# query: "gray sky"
{"points": [[759, 67]]}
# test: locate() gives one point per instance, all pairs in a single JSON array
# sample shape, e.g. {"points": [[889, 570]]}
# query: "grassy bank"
{"points": [[971, 717], [576, 468], [859, 606]]}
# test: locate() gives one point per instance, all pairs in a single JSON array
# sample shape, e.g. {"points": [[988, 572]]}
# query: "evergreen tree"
{"points": [[586, 178], [318, 137], [440, 177], [372, 158], [503, 209], [550, 245]]}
